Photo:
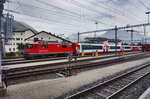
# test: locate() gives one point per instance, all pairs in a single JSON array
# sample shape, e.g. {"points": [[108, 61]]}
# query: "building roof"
{"points": [[49, 33]]}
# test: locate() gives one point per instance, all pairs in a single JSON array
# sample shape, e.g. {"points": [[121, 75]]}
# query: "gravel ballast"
{"points": [[49, 89]]}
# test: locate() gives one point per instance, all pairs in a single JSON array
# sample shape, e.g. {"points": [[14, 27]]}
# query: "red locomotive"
{"points": [[145, 47], [44, 50]]}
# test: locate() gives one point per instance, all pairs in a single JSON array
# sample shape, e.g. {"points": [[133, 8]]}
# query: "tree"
{"points": [[21, 47]]}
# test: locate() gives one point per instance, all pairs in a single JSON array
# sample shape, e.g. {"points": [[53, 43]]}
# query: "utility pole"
{"points": [[78, 37], [1, 11], [131, 35], [145, 34], [116, 39], [148, 15]]}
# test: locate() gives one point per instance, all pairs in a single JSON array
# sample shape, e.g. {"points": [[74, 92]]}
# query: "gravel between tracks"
{"points": [[48, 89]]}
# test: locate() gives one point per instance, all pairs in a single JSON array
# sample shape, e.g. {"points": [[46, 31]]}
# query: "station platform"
{"points": [[146, 94]]}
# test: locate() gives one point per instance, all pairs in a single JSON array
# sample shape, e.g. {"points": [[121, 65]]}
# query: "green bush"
{"points": [[11, 54]]}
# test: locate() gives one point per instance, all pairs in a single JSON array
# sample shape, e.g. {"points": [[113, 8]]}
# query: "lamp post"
{"points": [[96, 28], [148, 15]]}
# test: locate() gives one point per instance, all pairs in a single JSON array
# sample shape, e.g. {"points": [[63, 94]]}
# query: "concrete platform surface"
{"points": [[49, 89]]}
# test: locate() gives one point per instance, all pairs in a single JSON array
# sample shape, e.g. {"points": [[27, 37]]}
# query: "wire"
{"points": [[69, 11], [89, 8], [41, 18], [108, 9], [60, 14], [144, 5]]}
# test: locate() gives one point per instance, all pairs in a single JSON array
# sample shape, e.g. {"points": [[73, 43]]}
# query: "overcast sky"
{"points": [[72, 16]]}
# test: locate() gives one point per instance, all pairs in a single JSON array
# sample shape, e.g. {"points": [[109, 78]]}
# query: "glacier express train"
{"points": [[44, 50]]}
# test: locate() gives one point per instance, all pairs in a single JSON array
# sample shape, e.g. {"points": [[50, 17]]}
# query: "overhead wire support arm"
{"points": [[131, 26]]}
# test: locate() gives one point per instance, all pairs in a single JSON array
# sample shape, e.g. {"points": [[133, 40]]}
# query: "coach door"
{"points": [[36, 48]]}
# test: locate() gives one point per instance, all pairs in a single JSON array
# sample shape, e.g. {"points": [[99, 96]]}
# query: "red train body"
{"points": [[44, 50], [145, 47]]}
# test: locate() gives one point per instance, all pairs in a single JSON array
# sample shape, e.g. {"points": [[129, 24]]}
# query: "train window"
{"points": [[44, 46], [64, 46], [91, 47], [127, 47], [118, 47], [78, 47], [114, 47], [29, 46], [36, 46]]}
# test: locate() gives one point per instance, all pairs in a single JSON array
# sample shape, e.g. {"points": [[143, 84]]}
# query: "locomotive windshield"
{"points": [[29, 46]]}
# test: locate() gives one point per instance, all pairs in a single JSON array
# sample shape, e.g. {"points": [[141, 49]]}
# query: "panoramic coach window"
{"points": [[127, 47], [17, 39], [64, 46], [44, 46], [91, 47]]}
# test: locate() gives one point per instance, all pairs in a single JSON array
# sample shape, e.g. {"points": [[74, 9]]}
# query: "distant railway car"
{"points": [[89, 48], [146, 47], [127, 48], [43, 50], [112, 48], [136, 48]]}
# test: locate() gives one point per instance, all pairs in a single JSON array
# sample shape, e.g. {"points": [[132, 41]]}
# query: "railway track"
{"points": [[45, 69], [113, 88], [22, 60]]}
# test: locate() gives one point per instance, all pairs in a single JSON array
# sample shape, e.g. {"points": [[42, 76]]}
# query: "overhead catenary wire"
{"points": [[60, 14], [132, 13], [118, 13], [69, 11], [144, 5], [91, 9]]}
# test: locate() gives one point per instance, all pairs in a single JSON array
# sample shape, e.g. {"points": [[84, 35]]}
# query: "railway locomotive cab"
{"points": [[44, 50]]}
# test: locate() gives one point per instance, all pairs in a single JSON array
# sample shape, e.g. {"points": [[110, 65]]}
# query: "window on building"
{"points": [[10, 49], [35, 39], [41, 38], [17, 39], [14, 43], [13, 33], [17, 43], [21, 33], [49, 38], [21, 38], [13, 38], [13, 49], [44, 46]]}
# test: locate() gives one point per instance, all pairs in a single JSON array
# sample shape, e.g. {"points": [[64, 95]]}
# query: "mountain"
{"points": [[125, 36], [74, 37], [17, 26]]}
